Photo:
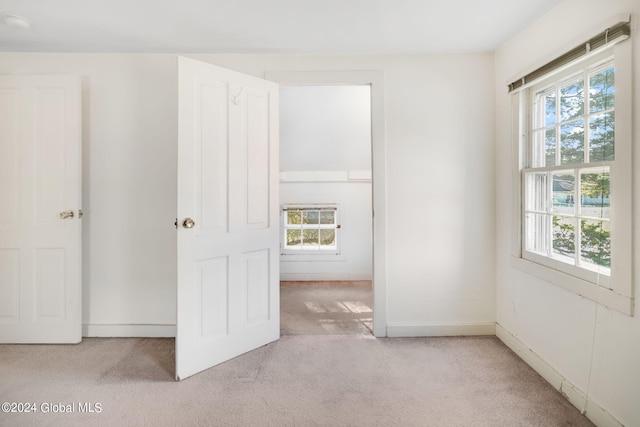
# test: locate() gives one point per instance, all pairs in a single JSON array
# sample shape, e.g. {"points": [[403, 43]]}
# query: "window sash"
{"points": [[539, 230], [539, 214], [302, 227]]}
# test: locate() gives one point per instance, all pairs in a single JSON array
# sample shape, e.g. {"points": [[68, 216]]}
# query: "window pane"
{"points": [[294, 217], [544, 148], [294, 237], [537, 149], [563, 193], [537, 192], [595, 198], [595, 240], [572, 101], [537, 233], [327, 217], [545, 108], [601, 137], [601, 92], [550, 147], [564, 237], [572, 142], [310, 217], [327, 237], [550, 109], [309, 237]]}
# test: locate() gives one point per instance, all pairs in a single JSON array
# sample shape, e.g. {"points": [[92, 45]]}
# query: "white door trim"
{"points": [[379, 166]]}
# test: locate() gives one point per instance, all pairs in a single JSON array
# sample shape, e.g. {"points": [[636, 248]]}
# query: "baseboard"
{"points": [[129, 331], [441, 330], [598, 415], [307, 277]]}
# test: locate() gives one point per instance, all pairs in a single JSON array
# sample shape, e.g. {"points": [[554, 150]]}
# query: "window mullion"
{"points": [[557, 125], [587, 109], [549, 216], [577, 207]]}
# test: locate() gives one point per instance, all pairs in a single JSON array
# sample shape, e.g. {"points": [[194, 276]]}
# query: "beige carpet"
{"points": [[326, 308], [300, 380]]}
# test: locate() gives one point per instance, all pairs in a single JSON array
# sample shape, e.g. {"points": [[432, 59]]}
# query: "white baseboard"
{"points": [[599, 416], [302, 277], [441, 330], [129, 331]]}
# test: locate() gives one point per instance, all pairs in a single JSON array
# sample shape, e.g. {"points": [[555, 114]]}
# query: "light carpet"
{"points": [[326, 308], [299, 380]]}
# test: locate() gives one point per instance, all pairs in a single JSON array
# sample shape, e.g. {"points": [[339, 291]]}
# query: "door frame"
{"points": [[375, 79]]}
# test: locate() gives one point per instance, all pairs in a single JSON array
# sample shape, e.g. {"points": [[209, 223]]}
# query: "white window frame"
{"points": [[306, 250], [614, 291]]}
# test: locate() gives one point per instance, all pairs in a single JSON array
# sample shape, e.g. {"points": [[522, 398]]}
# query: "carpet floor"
{"points": [[326, 308], [299, 380]]}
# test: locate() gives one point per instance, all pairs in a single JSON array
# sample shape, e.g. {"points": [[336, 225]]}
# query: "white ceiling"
{"points": [[267, 26]]}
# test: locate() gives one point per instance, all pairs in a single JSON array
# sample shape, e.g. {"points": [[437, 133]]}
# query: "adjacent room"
{"points": [[287, 212], [325, 197]]}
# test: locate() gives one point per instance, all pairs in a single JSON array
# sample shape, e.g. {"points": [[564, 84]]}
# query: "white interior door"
{"points": [[40, 200], [228, 220]]}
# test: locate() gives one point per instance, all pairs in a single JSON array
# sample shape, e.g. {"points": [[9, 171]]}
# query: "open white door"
{"points": [[40, 202], [228, 220]]}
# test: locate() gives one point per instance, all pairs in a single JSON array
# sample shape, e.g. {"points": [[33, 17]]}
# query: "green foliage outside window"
{"points": [[310, 228]]}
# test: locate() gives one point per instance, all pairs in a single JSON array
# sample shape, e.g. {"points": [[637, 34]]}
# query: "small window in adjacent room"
{"points": [[572, 197], [310, 229]]}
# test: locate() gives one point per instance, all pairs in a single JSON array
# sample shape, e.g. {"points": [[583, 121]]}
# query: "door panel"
{"points": [[255, 147], [40, 178], [50, 157], [49, 284], [228, 277], [9, 161], [211, 143], [214, 286], [9, 285], [255, 281]]}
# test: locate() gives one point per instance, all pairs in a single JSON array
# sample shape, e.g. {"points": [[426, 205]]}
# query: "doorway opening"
{"points": [[326, 262], [375, 79]]}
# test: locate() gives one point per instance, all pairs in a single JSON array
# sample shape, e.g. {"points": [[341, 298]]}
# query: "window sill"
{"points": [[622, 303]]}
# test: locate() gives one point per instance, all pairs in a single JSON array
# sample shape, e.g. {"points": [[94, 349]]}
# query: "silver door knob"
{"points": [[66, 214], [188, 223]]}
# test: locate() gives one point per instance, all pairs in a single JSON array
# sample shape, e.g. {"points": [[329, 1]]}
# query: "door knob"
{"points": [[66, 214], [188, 223]]}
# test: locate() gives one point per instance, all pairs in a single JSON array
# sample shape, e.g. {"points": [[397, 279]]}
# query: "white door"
{"points": [[228, 221], [40, 200]]}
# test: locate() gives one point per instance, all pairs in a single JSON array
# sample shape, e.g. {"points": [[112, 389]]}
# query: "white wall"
{"points": [[328, 129], [325, 128], [586, 347], [440, 182]]}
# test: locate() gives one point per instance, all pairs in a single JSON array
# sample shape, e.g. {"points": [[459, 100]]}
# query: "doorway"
{"points": [[372, 174], [326, 217]]}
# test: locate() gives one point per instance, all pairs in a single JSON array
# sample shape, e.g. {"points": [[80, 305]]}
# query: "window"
{"points": [[310, 228], [567, 179], [573, 201]]}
